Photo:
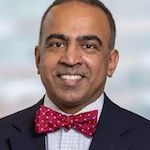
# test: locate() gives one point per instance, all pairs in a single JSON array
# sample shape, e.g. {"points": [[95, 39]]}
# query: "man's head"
{"points": [[96, 3], [74, 56]]}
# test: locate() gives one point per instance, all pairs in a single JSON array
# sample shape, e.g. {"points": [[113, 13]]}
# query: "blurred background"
{"points": [[20, 86]]}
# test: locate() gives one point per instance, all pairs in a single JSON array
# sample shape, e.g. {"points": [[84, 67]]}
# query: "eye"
{"points": [[56, 45], [89, 46]]}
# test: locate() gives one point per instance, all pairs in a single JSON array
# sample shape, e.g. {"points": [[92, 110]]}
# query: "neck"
{"points": [[69, 108]]}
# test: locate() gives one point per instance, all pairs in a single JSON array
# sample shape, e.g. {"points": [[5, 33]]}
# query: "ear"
{"points": [[37, 58], [113, 61]]}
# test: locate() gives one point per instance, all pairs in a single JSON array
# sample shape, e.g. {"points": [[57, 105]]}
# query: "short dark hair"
{"points": [[96, 3]]}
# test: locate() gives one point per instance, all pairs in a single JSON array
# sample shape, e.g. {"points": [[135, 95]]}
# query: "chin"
{"points": [[72, 101]]}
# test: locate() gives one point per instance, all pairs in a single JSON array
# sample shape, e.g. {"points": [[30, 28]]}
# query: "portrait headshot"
{"points": [[77, 59]]}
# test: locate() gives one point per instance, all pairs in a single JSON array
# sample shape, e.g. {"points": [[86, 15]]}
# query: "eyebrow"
{"points": [[56, 36], [90, 38], [80, 38]]}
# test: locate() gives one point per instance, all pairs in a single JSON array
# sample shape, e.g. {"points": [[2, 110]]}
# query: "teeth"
{"points": [[71, 77]]}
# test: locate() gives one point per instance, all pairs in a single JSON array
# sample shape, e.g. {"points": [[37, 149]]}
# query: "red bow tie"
{"points": [[48, 120]]}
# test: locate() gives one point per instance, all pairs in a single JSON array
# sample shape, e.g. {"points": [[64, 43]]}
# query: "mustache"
{"points": [[72, 70]]}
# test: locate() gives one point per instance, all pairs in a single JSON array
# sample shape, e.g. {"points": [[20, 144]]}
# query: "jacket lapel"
{"points": [[23, 133], [112, 126]]}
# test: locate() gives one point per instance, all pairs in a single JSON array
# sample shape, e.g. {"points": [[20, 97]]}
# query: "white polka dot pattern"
{"points": [[48, 120]]}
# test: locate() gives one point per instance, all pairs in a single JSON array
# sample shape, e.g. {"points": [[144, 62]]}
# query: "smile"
{"points": [[70, 80], [71, 77]]}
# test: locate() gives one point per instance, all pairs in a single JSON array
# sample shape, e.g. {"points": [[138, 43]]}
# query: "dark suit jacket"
{"points": [[117, 129]]}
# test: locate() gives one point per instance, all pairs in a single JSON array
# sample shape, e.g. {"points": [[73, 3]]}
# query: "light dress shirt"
{"points": [[71, 139]]}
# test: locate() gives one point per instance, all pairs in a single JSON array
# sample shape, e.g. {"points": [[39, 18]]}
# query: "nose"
{"points": [[71, 56]]}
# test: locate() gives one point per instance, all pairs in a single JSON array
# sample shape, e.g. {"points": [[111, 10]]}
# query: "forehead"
{"points": [[76, 15], [76, 8]]}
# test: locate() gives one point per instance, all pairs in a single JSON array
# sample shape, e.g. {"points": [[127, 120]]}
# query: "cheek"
{"points": [[97, 64], [48, 63], [46, 66]]}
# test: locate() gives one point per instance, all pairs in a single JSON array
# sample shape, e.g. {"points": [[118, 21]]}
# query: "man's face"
{"points": [[73, 58]]}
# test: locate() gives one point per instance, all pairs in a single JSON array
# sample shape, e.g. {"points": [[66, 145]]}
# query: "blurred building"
{"points": [[20, 85]]}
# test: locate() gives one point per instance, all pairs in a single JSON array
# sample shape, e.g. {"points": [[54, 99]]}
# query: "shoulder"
{"points": [[139, 133], [139, 127], [132, 128], [17, 125], [20, 117], [124, 113], [135, 119], [138, 124]]}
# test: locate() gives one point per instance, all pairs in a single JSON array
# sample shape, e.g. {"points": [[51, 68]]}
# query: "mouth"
{"points": [[71, 80], [71, 77]]}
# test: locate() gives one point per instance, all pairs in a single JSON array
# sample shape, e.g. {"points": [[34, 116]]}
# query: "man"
{"points": [[74, 57]]}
